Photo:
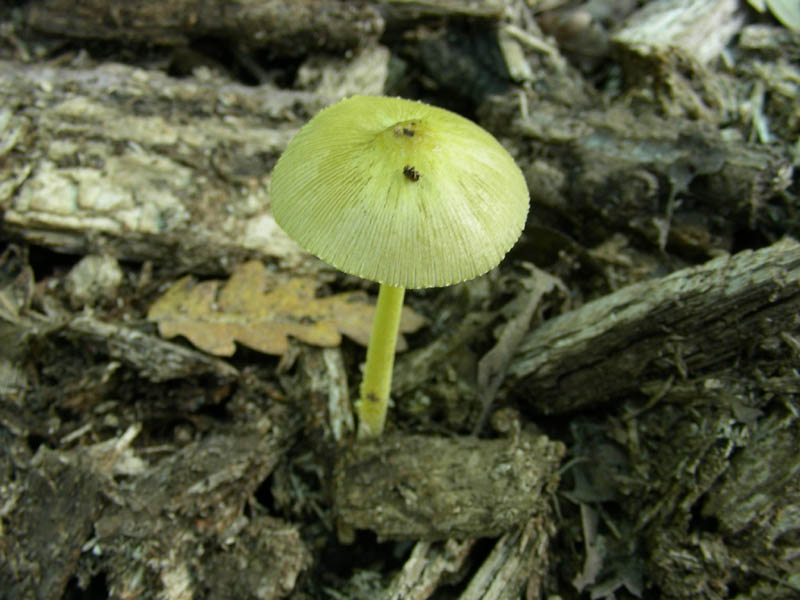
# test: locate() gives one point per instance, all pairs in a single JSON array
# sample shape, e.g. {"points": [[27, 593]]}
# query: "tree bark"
{"points": [[691, 320], [292, 28]]}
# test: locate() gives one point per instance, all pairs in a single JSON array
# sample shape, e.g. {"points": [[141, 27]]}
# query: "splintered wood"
{"points": [[700, 28], [690, 320]]}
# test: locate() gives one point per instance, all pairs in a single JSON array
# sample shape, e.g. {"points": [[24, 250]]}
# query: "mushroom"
{"points": [[402, 193]]}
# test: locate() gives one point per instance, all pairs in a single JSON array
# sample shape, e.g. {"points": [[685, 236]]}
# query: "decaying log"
{"points": [[91, 172], [295, 28], [690, 320], [667, 181], [418, 487], [139, 165], [656, 164], [287, 28], [135, 164]]}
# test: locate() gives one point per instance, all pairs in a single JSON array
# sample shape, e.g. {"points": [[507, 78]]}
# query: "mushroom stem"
{"points": [[377, 382]]}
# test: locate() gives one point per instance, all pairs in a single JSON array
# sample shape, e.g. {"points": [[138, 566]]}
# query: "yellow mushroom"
{"points": [[402, 193]]}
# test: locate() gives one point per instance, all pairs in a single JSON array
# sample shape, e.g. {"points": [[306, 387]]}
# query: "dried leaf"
{"points": [[213, 315]]}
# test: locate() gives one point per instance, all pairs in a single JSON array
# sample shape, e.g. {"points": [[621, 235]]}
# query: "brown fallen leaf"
{"points": [[214, 314]]}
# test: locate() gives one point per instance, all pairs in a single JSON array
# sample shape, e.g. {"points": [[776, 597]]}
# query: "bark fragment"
{"points": [[418, 487], [690, 320]]}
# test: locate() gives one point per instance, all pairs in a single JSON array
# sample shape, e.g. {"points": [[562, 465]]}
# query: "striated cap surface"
{"points": [[399, 192]]}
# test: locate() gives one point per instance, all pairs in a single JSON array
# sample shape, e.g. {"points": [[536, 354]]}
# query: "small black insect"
{"points": [[411, 173], [406, 130]]}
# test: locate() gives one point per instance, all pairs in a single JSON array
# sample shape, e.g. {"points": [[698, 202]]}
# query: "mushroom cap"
{"points": [[399, 192]]}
